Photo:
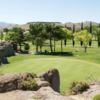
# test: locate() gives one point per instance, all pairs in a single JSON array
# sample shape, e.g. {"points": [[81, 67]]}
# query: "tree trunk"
{"points": [[51, 45], [0, 61], [85, 49], [40, 48], [54, 45], [73, 42], [36, 48], [65, 42], [81, 43], [98, 43], [20, 46], [61, 46], [95, 38], [90, 43]]}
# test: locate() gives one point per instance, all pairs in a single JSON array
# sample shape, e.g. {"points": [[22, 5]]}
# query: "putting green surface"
{"points": [[70, 69]]}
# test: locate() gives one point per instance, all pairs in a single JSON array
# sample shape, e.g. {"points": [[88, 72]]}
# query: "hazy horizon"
{"points": [[23, 11]]}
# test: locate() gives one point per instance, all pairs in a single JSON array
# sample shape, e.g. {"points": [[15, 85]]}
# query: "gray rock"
{"points": [[52, 76], [44, 93], [9, 51], [41, 83], [10, 82]]}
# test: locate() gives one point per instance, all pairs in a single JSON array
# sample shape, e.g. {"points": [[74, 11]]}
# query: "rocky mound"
{"points": [[9, 82], [44, 93], [47, 85]]}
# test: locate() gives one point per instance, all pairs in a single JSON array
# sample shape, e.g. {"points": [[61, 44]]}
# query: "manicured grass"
{"points": [[70, 69], [80, 66]]}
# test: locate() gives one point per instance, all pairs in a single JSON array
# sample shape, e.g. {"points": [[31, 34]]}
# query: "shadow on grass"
{"points": [[56, 53]]}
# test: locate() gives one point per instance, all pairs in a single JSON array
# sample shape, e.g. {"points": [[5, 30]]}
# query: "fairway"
{"points": [[70, 69]]}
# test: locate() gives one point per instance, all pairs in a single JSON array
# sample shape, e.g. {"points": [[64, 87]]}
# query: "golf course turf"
{"points": [[70, 69]]}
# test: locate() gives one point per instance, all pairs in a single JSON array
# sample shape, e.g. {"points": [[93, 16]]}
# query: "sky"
{"points": [[23, 11]]}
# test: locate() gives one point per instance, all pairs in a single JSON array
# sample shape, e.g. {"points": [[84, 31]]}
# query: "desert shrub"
{"points": [[97, 97], [28, 84], [78, 87]]}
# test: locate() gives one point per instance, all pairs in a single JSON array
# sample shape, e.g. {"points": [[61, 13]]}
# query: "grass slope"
{"points": [[70, 69]]}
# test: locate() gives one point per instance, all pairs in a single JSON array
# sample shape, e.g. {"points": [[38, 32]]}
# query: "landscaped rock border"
{"points": [[46, 82], [9, 82]]}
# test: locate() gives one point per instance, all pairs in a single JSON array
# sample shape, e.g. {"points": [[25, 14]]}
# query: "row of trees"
{"points": [[42, 32], [39, 33]]}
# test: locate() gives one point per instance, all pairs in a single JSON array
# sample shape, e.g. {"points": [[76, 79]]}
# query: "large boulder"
{"points": [[10, 82], [47, 93], [9, 51], [6, 50], [52, 76], [3, 59], [22, 81]]}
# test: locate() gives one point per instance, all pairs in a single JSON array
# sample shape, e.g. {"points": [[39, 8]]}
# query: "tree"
{"points": [[50, 30], [38, 35], [1, 36], [19, 38], [27, 36], [90, 42], [11, 36], [84, 36], [56, 34], [82, 27], [15, 35], [69, 35], [6, 30], [73, 41], [62, 34], [98, 36]]}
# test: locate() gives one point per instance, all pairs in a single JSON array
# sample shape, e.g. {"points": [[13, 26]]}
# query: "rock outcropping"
{"points": [[52, 76], [44, 93], [11, 82], [47, 83]]}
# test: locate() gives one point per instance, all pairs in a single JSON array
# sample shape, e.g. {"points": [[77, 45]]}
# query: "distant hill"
{"points": [[68, 24], [26, 26], [6, 25], [78, 25]]}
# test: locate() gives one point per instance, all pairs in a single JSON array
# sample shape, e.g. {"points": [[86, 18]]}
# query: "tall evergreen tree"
{"points": [[82, 27], [90, 42], [73, 41]]}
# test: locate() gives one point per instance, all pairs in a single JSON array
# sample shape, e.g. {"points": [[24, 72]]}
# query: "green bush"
{"points": [[28, 84], [78, 87], [97, 97]]}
